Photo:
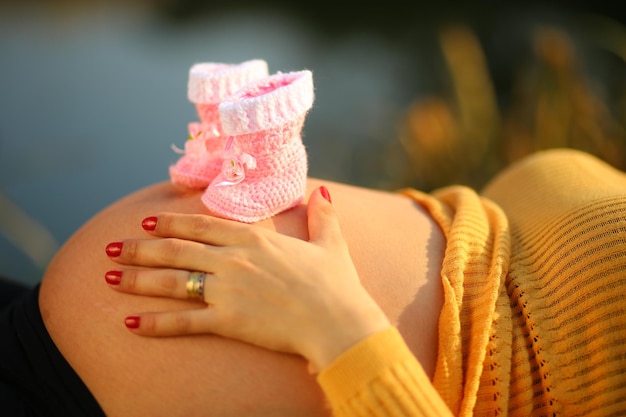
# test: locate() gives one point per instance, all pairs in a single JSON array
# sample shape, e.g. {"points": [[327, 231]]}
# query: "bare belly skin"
{"points": [[395, 245]]}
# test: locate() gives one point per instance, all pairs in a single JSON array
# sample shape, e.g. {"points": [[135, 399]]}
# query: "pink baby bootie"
{"points": [[209, 84], [265, 165]]}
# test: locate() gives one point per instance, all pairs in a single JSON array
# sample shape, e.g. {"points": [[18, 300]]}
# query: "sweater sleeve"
{"points": [[380, 376]]}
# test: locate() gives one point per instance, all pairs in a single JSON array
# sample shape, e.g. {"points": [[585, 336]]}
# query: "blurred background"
{"points": [[93, 95]]}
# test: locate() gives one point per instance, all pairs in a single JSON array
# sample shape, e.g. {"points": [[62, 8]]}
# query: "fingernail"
{"points": [[114, 249], [325, 194], [149, 223], [113, 277], [132, 322]]}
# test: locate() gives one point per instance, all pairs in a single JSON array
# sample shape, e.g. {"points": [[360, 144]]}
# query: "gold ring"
{"points": [[195, 285]]}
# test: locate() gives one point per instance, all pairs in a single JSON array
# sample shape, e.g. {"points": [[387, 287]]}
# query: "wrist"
{"points": [[339, 338]]}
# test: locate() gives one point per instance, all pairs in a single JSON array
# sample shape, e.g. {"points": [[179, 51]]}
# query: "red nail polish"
{"points": [[132, 322], [325, 194], [114, 249], [149, 223], [113, 277]]}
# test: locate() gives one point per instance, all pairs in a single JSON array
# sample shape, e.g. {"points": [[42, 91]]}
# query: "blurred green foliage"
{"points": [[467, 136]]}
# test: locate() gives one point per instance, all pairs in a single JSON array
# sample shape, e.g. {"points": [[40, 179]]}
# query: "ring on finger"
{"points": [[195, 285]]}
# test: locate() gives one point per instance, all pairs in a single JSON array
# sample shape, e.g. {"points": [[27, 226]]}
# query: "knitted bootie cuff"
{"points": [[212, 82], [267, 102], [265, 162]]}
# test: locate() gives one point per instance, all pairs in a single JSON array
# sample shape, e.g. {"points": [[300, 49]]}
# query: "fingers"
{"points": [[170, 283], [189, 241], [160, 283], [322, 219], [196, 227], [169, 253], [174, 323]]}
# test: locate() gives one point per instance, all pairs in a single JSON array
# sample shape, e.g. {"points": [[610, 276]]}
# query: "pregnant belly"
{"points": [[209, 375]]}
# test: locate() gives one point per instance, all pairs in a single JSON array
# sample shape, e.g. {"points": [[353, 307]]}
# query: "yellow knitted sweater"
{"points": [[534, 314]]}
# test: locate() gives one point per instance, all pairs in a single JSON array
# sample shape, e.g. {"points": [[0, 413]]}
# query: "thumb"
{"points": [[322, 219]]}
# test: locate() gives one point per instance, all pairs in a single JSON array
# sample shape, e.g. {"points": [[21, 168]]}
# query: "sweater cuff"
{"points": [[380, 363], [362, 363]]}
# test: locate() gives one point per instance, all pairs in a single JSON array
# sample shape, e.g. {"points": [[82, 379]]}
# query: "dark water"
{"points": [[91, 102], [92, 99]]}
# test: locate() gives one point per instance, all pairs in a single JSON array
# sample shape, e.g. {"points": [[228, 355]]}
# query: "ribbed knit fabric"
{"points": [[567, 284], [265, 164], [534, 315], [475, 323], [209, 84], [379, 377]]}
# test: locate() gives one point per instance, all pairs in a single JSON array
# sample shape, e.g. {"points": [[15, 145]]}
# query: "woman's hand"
{"points": [[260, 286]]}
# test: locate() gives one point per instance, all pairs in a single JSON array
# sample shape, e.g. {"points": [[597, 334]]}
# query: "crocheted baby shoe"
{"points": [[209, 84], [265, 165]]}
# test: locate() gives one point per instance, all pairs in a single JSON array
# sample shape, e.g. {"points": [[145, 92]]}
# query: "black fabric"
{"points": [[35, 379], [10, 290]]}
